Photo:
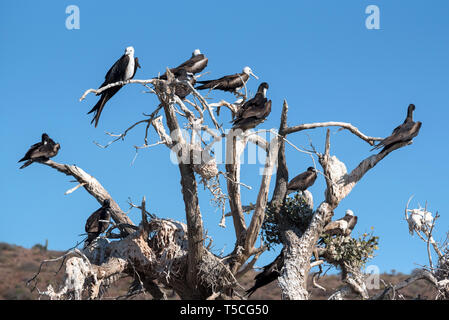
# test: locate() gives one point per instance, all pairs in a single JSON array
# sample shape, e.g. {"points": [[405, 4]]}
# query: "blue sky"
{"points": [[316, 54]]}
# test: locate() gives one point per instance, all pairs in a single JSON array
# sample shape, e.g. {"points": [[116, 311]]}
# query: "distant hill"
{"points": [[18, 264]]}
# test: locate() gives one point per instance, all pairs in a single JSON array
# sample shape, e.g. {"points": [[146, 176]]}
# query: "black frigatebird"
{"points": [[253, 111], [402, 133], [269, 273], [98, 222], [194, 65], [182, 90], [41, 151], [302, 181], [231, 83]]}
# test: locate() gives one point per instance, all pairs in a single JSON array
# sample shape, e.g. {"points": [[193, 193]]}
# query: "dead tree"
{"points": [[162, 253], [422, 223]]}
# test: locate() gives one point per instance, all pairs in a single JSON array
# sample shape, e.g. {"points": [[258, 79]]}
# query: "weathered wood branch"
{"points": [[188, 183], [421, 275], [262, 197], [235, 145], [118, 83], [94, 188], [342, 125]]}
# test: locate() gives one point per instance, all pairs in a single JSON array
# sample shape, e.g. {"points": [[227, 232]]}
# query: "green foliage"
{"points": [[354, 252], [295, 210]]}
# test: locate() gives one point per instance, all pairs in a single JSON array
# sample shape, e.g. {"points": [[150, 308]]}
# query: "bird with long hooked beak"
{"points": [[231, 83], [123, 69], [253, 111], [302, 181], [41, 151], [402, 133]]}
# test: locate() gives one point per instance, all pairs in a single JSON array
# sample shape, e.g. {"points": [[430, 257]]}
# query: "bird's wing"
{"points": [[333, 225], [267, 108], [31, 151], [235, 81], [190, 62], [42, 151], [253, 107], [352, 223], [92, 224], [296, 181], [406, 132], [194, 64], [136, 65], [117, 71], [396, 136], [220, 83]]}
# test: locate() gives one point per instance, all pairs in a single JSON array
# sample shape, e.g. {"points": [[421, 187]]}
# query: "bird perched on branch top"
{"points": [[254, 111], [302, 181], [269, 273], [402, 133], [231, 83], [98, 222], [41, 151], [194, 65], [342, 226], [124, 69]]}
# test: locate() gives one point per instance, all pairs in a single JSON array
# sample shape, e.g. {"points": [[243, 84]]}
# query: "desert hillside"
{"points": [[18, 264]]}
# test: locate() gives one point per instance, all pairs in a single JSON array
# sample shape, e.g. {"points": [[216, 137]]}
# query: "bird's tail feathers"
{"points": [[98, 108], [250, 291], [204, 84], [377, 146], [26, 164]]}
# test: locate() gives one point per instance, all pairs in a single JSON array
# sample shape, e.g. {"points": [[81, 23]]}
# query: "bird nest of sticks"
{"points": [[206, 169], [215, 274]]}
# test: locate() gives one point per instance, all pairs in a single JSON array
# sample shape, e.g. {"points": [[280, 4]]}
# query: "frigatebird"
{"points": [[342, 226], [182, 90], [253, 111], [98, 222], [402, 133], [194, 65], [231, 83], [123, 69], [302, 181], [41, 151], [269, 273]]}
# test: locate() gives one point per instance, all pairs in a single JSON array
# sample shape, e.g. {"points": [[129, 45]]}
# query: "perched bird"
{"points": [[342, 226], [253, 111], [231, 83], [419, 220], [194, 65], [41, 151], [182, 90], [98, 222], [124, 69], [302, 181], [402, 133], [269, 273]]}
